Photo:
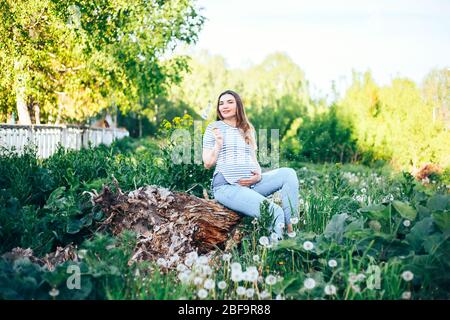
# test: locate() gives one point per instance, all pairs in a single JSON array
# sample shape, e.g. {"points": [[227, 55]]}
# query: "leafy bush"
{"points": [[323, 138]]}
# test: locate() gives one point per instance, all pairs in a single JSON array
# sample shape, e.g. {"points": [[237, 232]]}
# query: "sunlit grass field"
{"points": [[362, 233]]}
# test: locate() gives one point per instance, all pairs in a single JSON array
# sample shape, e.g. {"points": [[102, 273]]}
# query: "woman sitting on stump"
{"points": [[238, 183]]}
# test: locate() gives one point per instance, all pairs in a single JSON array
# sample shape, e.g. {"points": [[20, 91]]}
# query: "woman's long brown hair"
{"points": [[242, 122]]}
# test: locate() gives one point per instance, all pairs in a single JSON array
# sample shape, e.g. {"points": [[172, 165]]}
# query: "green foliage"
{"points": [[324, 138], [179, 169], [395, 122], [89, 55], [364, 219]]}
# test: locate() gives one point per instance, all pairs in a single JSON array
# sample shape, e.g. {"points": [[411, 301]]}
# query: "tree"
{"points": [[79, 57], [394, 122]]}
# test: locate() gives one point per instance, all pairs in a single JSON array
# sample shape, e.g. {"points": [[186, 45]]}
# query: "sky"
{"points": [[330, 38]]}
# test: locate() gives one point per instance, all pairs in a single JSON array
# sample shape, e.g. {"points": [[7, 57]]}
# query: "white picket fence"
{"points": [[47, 137]]}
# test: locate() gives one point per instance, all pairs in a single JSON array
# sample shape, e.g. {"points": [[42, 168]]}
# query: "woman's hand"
{"points": [[246, 182], [219, 138]]}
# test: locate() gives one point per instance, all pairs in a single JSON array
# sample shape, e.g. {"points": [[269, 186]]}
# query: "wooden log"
{"points": [[168, 224]]}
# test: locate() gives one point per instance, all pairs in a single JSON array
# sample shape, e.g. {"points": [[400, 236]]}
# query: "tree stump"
{"points": [[168, 224]]}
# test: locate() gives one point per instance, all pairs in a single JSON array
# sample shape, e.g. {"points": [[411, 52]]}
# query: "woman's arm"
{"points": [[210, 155], [254, 157]]}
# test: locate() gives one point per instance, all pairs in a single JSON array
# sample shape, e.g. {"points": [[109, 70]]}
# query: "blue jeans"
{"points": [[247, 200]]}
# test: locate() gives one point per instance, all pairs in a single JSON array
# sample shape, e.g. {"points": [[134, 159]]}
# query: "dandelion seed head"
{"points": [[222, 285], [406, 295], [252, 274], [189, 262], [202, 293], [271, 280], [237, 276], [407, 275], [332, 263], [308, 245], [202, 260], [309, 283], [181, 267], [240, 291], [226, 257], [161, 262], [274, 237], [209, 284], [198, 281], [330, 289], [264, 241], [192, 255], [236, 266], [54, 292], [264, 294], [250, 292]]}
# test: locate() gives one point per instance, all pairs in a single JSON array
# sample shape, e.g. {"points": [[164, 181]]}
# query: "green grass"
{"points": [[350, 215]]}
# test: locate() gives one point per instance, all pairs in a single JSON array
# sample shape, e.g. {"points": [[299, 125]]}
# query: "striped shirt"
{"points": [[235, 159]]}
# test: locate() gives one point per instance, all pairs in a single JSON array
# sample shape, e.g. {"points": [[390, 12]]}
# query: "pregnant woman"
{"points": [[230, 144]]}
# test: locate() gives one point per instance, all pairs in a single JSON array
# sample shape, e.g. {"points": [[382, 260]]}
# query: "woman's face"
{"points": [[227, 106]]}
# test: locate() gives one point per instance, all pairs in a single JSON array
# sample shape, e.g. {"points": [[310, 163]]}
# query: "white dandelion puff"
{"points": [[181, 267], [274, 237], [332, 263], [271, 280], [407, 275], [330, 289], [192, 255], [252, 274], [308, 245], [209, 284], [264, 294], [202, 260], [226, 257], [406, 295], [202, 293], [198, 281], [54, 292], [161, 262], [237, 276], [309, 283], [264, 241], [222, 285], [236, 266], [184, 277], [240, 291], [250, 292]]}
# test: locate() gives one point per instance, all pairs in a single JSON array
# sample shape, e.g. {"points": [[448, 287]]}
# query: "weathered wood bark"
{"points": [[169, 224]]}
